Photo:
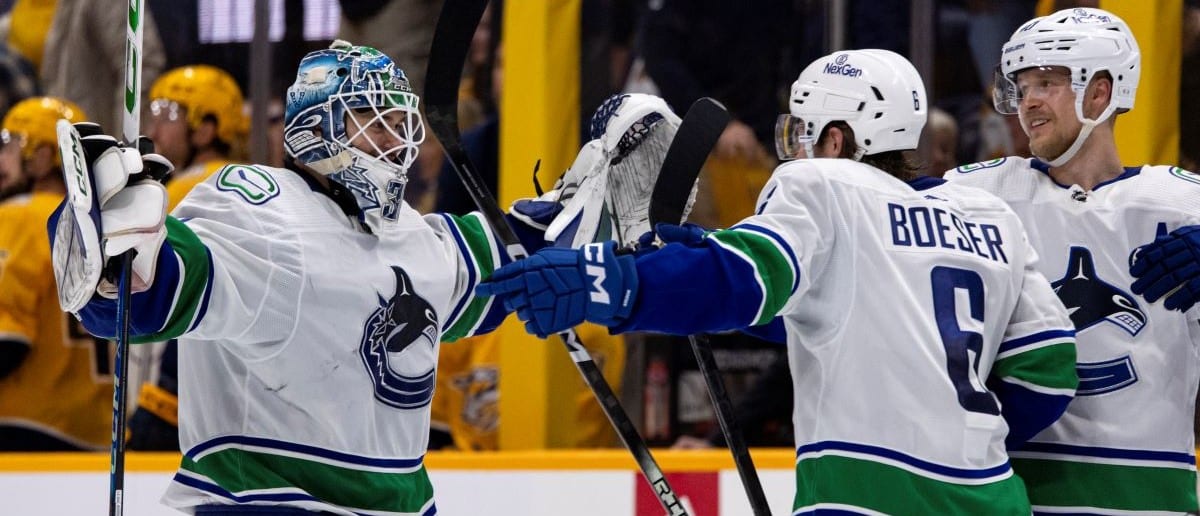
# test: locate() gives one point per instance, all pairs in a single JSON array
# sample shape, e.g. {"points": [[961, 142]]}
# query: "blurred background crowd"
{"points": [[215, 96]]}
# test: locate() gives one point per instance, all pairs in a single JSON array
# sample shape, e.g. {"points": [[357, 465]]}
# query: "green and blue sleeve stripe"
{"points": [[481, 254], [730, 280], [176, 301], [1034, 379]]}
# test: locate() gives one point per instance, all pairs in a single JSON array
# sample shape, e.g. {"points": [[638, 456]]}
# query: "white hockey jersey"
{"points": [[908, 309], [307, 345], [1126, 442]]}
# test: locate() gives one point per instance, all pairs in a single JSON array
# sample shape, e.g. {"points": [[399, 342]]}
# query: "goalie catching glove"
{"points": [[605, 195], [115, 203]]}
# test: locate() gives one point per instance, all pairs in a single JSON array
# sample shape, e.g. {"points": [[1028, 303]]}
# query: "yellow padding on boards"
{"points": [[671, 461]]}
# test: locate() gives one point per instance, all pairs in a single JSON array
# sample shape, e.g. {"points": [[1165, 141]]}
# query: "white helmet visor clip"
{"points": [[794, 137]]}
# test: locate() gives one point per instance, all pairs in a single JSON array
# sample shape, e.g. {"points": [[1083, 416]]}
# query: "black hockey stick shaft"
{"points": [[698, 133], [455, 27], [130, 127]]}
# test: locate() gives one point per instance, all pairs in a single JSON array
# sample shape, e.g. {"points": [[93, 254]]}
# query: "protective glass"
{"points": [[793, 137]]}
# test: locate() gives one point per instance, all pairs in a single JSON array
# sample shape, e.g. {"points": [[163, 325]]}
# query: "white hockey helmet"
{"points": [[1085, 41], [878, 93]]}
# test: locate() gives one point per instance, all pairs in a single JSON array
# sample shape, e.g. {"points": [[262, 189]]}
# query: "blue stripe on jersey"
{"points": [[1027, 412], [691, 289], [1027, 340], [827, 512], [472, 274], [209, 487], [207, 293], [902, 457], [148, 311], [1110, 453], [302, 448], [782, 244]]}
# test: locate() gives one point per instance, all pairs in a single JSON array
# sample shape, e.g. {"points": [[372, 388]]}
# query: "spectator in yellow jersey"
{"points": [[196, 122], [55, 379]]}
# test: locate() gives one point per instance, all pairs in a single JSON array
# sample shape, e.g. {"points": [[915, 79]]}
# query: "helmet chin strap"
{"points": [[1084, 132]]}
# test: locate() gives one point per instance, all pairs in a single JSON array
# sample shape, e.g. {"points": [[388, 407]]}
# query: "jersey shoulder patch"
{"points": [[253, 184], [1185, 175], [975, 167]]}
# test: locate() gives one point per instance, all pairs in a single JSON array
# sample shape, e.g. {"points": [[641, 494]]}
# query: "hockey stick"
{"points": [[130, 127], [698, 133], [455, 27]]}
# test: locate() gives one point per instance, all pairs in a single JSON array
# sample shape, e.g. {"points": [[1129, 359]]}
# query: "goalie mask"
{"points": [[878, 93], [1082, 42], [352, 116], [605, 195]]}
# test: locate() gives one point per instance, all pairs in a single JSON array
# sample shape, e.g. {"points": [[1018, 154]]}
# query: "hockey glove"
{"points": [[556, 288], [605, 195], [114, 204], [1169, 266]]}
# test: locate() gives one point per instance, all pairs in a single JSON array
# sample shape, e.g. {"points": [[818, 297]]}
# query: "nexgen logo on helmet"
{"points": [[839, 66]]}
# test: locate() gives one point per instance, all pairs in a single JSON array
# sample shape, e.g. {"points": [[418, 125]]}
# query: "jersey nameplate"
{"points": [[927, 227], [253, 184]]}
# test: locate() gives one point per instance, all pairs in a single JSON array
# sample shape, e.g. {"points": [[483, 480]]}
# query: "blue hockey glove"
{"points": [[556, 288], [687, 234], [1169, 266]]}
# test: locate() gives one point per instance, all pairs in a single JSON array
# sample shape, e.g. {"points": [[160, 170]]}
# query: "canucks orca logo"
{"points": [[399, 347], [1089, 300]]}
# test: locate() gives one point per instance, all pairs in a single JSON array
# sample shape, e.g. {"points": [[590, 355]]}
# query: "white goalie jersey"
{"points": [[308, 345], [1126, 441]]}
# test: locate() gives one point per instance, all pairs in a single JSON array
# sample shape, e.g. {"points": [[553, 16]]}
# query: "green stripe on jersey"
{"points": [[195, 263], [1060, 483], [238, 471], [1050, 366], [480, 246], [847, 481], [771, 266]]}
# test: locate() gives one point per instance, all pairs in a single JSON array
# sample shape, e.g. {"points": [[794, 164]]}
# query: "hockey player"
{"points": [[55, 380], [1125, 443], [920, 333], [196, 122], [309, 302]]}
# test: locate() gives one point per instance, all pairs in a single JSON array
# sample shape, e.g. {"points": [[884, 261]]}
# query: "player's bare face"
{"points": [[1047, 110], [11, 177], [168, 127]]}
